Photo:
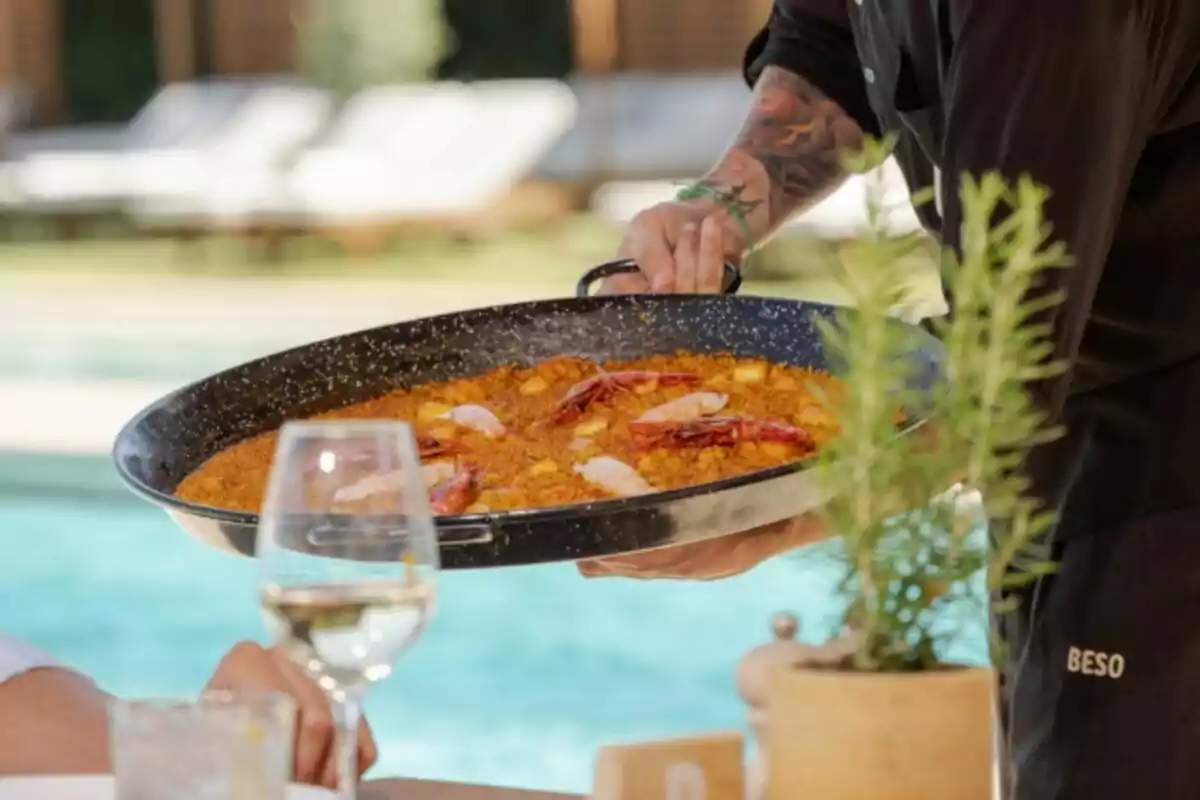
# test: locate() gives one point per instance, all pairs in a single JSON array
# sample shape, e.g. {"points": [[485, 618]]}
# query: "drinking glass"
{"points": [[226, 746], [348, 557]]}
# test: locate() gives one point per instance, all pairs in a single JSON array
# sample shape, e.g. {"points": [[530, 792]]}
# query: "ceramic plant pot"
{"points": [[865, 736]]}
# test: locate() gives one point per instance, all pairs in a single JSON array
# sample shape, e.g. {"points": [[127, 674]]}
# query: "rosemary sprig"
{"points": [[910, 550]]}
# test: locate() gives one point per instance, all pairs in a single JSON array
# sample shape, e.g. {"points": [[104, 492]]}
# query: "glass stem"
{"points": [[346, 706]]}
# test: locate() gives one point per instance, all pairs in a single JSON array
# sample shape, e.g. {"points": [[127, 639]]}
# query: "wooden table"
{"points": [[407, 789]]}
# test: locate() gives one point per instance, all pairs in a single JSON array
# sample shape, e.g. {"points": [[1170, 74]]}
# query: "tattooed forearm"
{"points": [[798, 135], [787, 154]]}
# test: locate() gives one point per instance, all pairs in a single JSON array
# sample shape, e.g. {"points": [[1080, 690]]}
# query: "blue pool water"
{"points": [[522, 675]]}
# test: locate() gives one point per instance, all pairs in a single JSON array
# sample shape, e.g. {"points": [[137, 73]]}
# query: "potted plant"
{"points": [[927, 521]]}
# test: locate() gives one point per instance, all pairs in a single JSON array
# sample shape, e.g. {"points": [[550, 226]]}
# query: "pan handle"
{"points": [[464, 533], [733, 275], [332, 533]]}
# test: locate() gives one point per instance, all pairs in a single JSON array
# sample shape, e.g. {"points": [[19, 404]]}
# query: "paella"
{"points": [[568, 430]]}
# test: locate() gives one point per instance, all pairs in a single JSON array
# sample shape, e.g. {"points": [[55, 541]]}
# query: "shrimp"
{"points": [[598, 388], [716, 431], [454, 495]]}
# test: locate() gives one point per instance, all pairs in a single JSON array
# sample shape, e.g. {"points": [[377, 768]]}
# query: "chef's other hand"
{"points": [[249, 667], [680, 246], [711, 559]]}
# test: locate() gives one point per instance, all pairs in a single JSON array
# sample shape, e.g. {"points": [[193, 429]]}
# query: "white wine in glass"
{"points": [[348, 559]]}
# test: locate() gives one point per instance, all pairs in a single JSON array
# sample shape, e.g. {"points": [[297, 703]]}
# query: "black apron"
{"points": [[1101, 692], [1102, 688]]}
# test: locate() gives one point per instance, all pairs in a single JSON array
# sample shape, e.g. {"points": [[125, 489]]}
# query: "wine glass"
{"points": [[348, 557]]}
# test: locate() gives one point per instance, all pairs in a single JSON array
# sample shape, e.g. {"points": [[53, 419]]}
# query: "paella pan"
{"points": [[578, 387]]}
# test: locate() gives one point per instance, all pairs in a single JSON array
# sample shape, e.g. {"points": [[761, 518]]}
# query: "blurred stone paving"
{"points": [[233, 309]]}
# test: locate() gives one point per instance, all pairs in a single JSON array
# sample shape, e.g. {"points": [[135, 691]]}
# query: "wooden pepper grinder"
{"points": [[753, 678]]}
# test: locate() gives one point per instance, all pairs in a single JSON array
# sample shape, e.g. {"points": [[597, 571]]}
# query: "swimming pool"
{"points": [[522, 675]]}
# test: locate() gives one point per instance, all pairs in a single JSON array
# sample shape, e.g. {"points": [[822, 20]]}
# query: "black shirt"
{"points": [[1100, 101]]}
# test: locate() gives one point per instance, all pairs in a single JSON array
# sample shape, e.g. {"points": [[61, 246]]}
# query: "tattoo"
{"points": [[796, 135], [733, 196]]}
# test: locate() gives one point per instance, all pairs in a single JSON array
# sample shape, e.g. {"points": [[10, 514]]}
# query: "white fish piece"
{"points": [[437, 472], [688, 408], [372, 484], [614, 475], [477, 418], [431, 475]]}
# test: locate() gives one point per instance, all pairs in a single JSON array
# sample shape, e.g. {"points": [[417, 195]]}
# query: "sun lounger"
{"points": [[68, 170], [646, 127], [14, 107], [227, 167], [440, 150], [93, 168]]}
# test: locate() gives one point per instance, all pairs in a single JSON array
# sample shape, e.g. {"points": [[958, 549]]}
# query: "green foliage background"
{"points": [[109, 66], [348, 44], [345, 45], [507, 39]]}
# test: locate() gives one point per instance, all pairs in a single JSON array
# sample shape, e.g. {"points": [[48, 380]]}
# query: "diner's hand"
{"points": [[250, 667], [712, 558], [680, 246]]}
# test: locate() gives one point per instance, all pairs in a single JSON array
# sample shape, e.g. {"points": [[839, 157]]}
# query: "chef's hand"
{"points": [[249, 667], [680, 246], [712, 558]]}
